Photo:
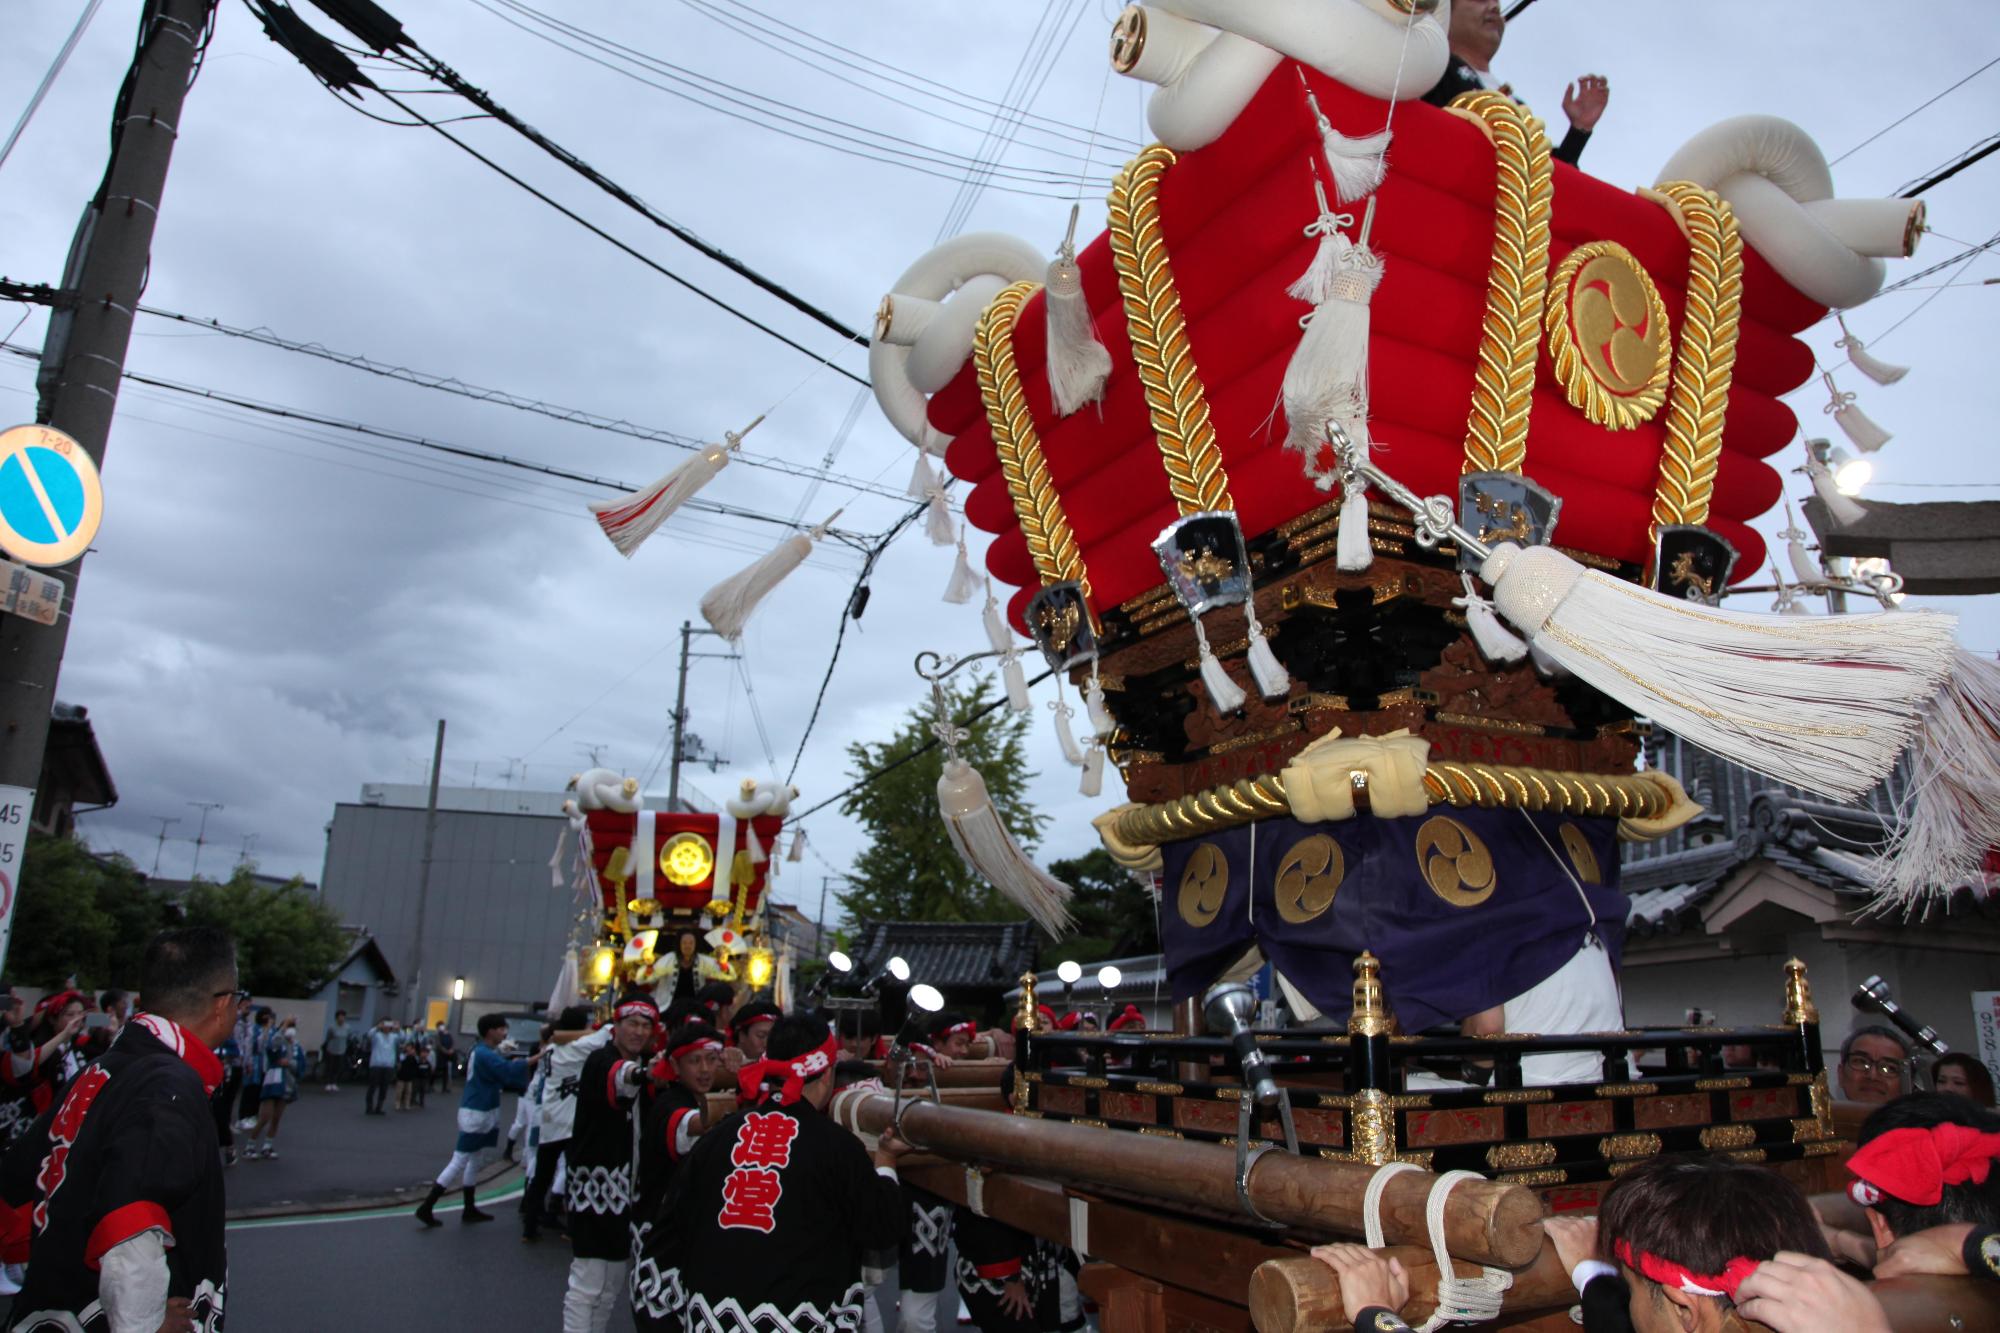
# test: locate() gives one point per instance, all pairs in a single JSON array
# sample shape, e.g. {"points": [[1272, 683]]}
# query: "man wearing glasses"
{"points": [[1873, 1065]]}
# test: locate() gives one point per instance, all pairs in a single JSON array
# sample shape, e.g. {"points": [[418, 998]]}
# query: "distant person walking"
{"points": [[279, 1087], [445, 1049], [487, 1074], [333, 1051], [382, 1046]]}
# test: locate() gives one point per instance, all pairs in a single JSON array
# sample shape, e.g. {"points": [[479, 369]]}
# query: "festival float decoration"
{"points": [[1421, 472], [674, 892]]}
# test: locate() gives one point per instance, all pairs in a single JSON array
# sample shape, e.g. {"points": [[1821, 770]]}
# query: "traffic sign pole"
{"points": [[86, 350]]}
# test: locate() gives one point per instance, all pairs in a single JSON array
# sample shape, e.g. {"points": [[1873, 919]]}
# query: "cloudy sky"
{"points": [[278, 613]]}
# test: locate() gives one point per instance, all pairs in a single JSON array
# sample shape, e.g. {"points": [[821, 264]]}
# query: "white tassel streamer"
{"points": [[1353, 550], [1265, 668], [1842, 509], [753, 844], [1327, 377], [1358, 165], [1853, 422], [1804, 566], [964, 582], [925, 485], [630, 519], [1822, 703], [1857, 356], [1791, 602], [1952, 810], [1224, 693], [798, 852], [728, 605], [923, 480], [991, 853], [1093, 771], [1017, 683], [1102, 724], [1071, 751], [1496, 643], [1078, 363], [998, 637]]}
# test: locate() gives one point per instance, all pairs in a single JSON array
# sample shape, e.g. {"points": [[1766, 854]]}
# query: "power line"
{"points": [[574, 415], [860, 541], [1938, 267], [1913, 111], [49, 79], [1983, 149]]}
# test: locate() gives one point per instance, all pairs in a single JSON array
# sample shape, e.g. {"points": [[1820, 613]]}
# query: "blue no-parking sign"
{"points": [[51, 500]]}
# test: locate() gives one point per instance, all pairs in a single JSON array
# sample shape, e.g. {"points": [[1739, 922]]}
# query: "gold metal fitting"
{"points": [[1371, 1012], [1128, 39], [1799, 1007]]}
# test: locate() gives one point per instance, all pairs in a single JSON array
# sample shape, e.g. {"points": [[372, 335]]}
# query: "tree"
{"points": [[1114, 914], [910, 871], [81, 916], [287, 940]]}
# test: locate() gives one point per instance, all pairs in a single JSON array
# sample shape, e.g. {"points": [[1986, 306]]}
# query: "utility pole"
{"points": [[85, 350], [681, 738], [424, 878], [164, 823], [201, 832], [244, 859]]}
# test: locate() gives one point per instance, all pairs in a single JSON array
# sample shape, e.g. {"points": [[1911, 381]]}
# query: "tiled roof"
{"points": [[951, 953]]}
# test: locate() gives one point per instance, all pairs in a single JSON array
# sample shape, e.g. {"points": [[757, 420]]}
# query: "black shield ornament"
{"points": [[1692, 562], [1504, 507], [1059, 619], [1203, 557]]}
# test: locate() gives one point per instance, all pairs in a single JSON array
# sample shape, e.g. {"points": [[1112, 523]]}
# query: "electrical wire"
{"points": [[574, 415], [1983, 149], [991, 143], [1913, 111], [49, 79], [922, 84]]}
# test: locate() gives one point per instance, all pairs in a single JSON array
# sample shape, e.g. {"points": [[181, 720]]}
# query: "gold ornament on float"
{"points": [[1455, 862], [1203, 885], [687, 860], [1308, 877], [1608, 338], [1581, 855]]}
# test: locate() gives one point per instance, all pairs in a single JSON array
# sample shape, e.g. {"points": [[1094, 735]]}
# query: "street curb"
{"points": [[412, 1195]]}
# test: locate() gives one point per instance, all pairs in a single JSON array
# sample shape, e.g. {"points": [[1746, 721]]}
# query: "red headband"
{"points": [[627, 1008], [970, 1028], [1130, 1017], [698, 1044], [796, 1072], [1670, 1274], [1915, 1165]]}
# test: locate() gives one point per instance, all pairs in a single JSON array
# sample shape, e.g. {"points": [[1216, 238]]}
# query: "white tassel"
{"points": [[991, 853], [1093, 771], [1790, 601], [1327, 377], [998, 637], [1017, 683], [1804, 566], [1857, 356], [1072, 752], [937, 521], [555, 858], [1824, 703], [1952, 809], [1224, 693], [1496, 643], [1866, 435], [1265, 668], [728, 605], [753, 844], [1545, 666], [630, 519], [964, 582], [923, 481], [1078, 363], [1102, 724], [1842, 509], [1358, 165], [798, 852], [1353, 550]]}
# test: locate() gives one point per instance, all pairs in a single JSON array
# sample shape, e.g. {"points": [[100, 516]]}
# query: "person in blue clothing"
{"points": [[487, 1074]]}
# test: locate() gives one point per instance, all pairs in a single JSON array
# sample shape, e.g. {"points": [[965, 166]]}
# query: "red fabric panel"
{"points": [[120, 1225]]}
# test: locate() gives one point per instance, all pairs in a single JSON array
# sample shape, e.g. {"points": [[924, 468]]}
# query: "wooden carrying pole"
{"points": [[1485, 1222], [1301, 1295]]}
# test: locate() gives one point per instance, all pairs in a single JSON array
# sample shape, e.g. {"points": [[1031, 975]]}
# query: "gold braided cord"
{"points": [[1175, 398], [1707, 359], [1480, 786], [1051, 544], [1496, 434]]}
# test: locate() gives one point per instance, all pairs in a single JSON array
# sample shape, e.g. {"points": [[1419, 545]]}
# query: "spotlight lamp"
{"points": [[1108, 977], [1069, 972], [1850, 474]]}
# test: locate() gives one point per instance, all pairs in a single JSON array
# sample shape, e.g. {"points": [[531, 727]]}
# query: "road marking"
{"points": [[505, 1194]]}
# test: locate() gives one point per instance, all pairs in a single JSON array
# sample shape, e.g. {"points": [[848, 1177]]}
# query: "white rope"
{"points": [[1470, 1300], [1371, 1200]]}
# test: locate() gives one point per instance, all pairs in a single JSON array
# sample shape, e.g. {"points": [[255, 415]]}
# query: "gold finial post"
{"points": [[1799, 1007], [1025, 1016], [1371, 1013]]}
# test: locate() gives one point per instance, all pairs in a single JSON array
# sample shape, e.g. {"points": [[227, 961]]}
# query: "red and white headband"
{"points": [[690, 1048], [1914, 1165], [795, 1074], [627, 1008], [969, 1028], [1670, 1274]]}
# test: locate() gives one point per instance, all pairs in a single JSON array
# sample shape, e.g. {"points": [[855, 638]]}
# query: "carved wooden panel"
{"points": [[1555, 1119]]}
